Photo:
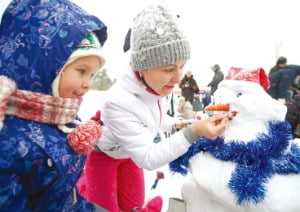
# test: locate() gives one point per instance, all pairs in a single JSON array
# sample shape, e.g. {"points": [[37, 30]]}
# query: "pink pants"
{"points": [[114, 184]]}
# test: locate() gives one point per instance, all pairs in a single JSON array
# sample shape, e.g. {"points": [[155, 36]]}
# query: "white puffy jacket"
{"points": [[132, 117]]}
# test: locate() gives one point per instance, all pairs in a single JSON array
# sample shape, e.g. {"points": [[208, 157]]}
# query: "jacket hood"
{"points": [[37, 37]]}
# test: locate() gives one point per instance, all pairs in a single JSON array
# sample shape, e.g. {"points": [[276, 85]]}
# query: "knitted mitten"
{"points": [[84, 137]]}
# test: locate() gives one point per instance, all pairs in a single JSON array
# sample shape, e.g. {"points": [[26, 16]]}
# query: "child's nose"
{"points": [[87, 84]]}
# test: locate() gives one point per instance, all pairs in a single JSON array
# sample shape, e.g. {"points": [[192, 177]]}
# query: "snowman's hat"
{"points": [[256, 75]]}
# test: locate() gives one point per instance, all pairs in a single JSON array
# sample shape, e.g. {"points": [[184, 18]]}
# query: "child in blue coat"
{"points": [[50, 51]]}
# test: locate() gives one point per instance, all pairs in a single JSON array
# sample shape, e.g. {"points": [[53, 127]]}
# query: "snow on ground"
{"points": [[168, 187]]}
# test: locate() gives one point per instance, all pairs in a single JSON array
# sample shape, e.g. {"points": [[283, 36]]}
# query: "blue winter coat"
{"points": [[281, 79], [38, 169]]}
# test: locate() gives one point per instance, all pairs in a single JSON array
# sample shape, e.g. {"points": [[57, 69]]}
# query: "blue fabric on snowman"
{"points": [[257, 161]]}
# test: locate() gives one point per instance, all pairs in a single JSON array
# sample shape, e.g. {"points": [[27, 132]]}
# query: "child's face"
{"points": [[163, 79], [76, 79]]}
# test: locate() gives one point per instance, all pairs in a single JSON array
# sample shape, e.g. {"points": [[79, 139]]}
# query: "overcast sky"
{"points": [[246, 33]]}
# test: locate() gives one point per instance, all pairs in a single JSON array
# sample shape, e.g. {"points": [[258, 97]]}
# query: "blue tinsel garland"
{"points": [[256, 161]]}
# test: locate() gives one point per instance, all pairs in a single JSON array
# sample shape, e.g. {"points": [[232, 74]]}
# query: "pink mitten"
{"points": [[84, 137]]}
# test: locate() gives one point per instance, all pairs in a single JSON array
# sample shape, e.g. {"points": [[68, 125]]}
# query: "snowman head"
{"points": [[250, 106]]}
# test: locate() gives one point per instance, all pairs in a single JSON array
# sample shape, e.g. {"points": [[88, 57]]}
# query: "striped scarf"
{"points": [[35, 106], [51, 110]]}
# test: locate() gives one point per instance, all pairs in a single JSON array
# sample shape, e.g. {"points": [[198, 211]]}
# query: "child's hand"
{"points": [[210, 127], [84, 137]]}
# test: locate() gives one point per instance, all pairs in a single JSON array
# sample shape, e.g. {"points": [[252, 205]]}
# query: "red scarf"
{"points": [[36, 106], [42, 108], [47, 109]]}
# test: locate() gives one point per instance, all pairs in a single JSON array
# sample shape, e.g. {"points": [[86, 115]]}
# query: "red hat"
{"points": [[257, 75]]}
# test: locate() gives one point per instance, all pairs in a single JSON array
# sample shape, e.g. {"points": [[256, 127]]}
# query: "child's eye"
{"points": [[82, 71], [239, 94]]}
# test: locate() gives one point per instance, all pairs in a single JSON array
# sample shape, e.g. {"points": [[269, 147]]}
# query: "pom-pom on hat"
{"points": [[156, 39], [256, 75]]}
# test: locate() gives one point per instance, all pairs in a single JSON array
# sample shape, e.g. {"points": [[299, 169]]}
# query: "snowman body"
{"points": [[254, 165]]}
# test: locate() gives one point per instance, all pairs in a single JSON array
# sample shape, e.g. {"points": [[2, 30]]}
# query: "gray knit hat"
{"points": [[157, 40]]}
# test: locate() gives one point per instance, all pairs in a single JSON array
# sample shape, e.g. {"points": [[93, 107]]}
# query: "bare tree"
{"points": [[277, 49]]}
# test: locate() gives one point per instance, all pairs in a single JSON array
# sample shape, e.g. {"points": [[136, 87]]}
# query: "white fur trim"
{"points": [[80, 52], [55, 85], [64, 128]]}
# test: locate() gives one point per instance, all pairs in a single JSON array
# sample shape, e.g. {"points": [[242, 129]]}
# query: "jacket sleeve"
{"points": [[182, 82], [274, 78], [136, 139], [167, 123], [218, 77], [13, 196], [285, 80], [195, 86], [212, 81]]}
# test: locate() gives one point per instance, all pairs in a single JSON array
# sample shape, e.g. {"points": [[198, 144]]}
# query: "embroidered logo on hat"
{"points": [[257, 75], [88, 42], [90, 45]]}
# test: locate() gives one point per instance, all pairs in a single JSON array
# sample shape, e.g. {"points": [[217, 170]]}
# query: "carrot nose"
{"points": [[217, 107]]}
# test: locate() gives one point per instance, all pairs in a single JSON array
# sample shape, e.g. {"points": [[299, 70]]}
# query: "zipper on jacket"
{"points": [[160, 114], [74, 196]]}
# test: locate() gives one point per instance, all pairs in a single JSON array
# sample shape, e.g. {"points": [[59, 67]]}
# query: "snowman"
{"points": [[255, 164]]}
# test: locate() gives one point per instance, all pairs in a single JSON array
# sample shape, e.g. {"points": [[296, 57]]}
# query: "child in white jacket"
{"points": [[136, 110]]}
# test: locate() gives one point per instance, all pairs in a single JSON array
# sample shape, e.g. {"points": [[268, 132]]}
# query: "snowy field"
{"points": [[168, 187]]}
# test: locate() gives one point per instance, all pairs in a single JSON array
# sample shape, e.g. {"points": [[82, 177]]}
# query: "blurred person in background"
{"points": [[281, 81], [188, 87], [280, 64], [217, 78]]}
